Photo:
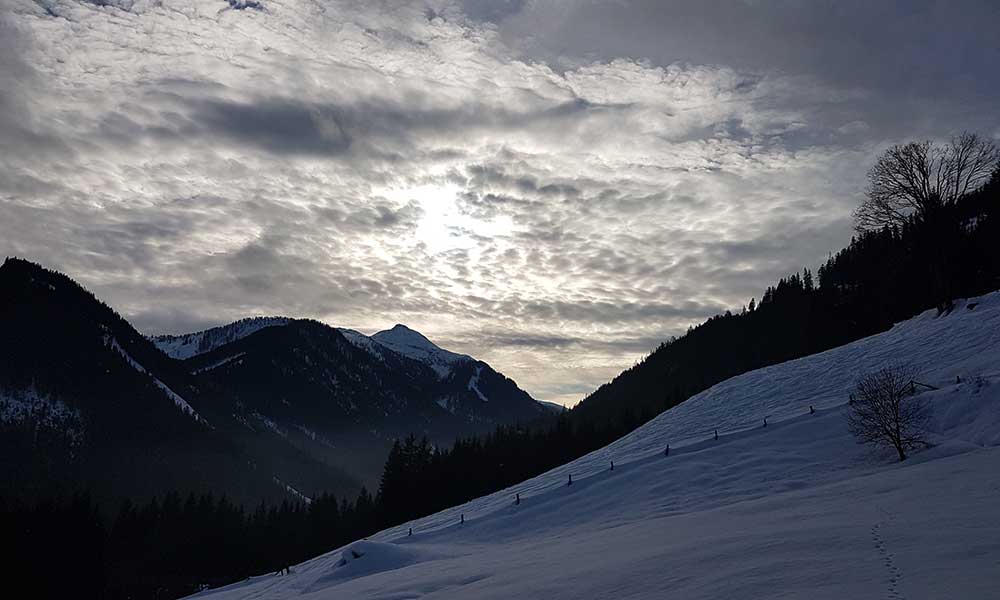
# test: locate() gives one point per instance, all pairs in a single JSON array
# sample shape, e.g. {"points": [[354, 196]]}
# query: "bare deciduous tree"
{"points": [[919, 177], [884, 411]]}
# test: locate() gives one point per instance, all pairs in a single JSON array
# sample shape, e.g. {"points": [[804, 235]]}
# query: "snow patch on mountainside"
{"points": [[364, 342], [473, 385], [174, 396], [219, 363], [316, 437], [242, 420], [308, 432], [192, 344], [270, 424], [21, 406], [294, 492]]}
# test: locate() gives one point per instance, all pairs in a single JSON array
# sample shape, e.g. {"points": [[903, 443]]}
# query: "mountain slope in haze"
{"points": [[307, 382], [343, 397], [88, 403], [794, 509]]}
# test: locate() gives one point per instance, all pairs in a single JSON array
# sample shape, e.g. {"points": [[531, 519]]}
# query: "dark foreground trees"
{"points": [[170, 546], [885, 412]]}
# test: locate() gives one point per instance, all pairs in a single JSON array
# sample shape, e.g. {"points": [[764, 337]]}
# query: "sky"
{"points": [[553, 187]]}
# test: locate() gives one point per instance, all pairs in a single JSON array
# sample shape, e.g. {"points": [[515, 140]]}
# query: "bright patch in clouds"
{"points": [[442, 225]]}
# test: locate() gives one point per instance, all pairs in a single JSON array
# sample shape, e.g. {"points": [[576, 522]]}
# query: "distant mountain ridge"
{"points": [[399, 340], [343, 396], [191, 344]]}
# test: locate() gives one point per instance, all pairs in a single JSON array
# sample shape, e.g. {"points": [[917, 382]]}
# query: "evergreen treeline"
{"points": [[169, 547], [419, 479]]}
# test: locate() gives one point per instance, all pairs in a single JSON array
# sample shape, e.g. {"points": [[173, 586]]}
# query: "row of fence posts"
{"points": [[569, 481]]}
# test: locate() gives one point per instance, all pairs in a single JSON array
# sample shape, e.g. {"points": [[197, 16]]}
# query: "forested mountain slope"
{"points": [[88, 403]]}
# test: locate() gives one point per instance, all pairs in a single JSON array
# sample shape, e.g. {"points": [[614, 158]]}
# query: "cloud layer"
{"points": [[552, 187]]}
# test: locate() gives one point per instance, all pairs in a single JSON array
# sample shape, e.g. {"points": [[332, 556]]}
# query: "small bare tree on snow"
{"points": [[885, 412], [919, 177]]}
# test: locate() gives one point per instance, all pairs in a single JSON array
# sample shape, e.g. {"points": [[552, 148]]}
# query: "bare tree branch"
{"points": [[915, 179], [884, 411]]}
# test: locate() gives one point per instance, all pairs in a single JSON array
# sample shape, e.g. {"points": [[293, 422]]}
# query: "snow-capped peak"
{"points": [[402, 336], [415, 345]]}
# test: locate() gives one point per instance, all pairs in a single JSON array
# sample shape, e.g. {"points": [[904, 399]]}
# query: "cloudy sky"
{"points": [[554, 187]]}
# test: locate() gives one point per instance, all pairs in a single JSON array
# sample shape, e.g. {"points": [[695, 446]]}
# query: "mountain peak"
{"points": [[415, 345], [403, 335]]}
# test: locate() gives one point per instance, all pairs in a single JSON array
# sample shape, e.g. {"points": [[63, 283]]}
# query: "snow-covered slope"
{"points": [[414, 345], [180, 402], [42, 412], [192, 344], [364, 342], [794, 509]]}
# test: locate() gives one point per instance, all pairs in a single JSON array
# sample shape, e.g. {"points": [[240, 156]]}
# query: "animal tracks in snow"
{"points": [[886, 557]]}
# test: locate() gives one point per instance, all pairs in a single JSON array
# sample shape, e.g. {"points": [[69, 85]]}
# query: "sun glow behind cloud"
{"points": [[442, 225]]}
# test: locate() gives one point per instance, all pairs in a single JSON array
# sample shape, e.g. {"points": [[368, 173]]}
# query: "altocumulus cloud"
{"points": [[553, 187]]}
